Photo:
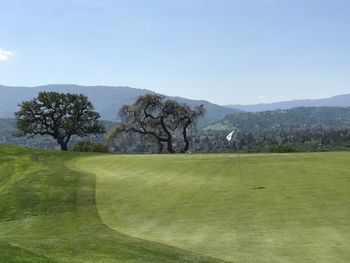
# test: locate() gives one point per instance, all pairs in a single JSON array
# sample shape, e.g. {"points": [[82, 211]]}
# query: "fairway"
{"points": [[283, 208], [79, 207], [48, 214]]}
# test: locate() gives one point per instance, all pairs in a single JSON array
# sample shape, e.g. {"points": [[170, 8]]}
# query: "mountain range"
{"points": [[336, 101], [107, 100]]}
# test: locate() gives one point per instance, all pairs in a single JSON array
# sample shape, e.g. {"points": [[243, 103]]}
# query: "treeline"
{"points": [[279, 141], [299, 129], [325, 139], [286, 120], [317, 139]]}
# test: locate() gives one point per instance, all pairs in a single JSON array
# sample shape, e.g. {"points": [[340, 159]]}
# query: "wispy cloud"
{"points": [[5, 54]]}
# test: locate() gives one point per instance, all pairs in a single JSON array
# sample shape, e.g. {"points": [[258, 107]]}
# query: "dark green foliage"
{"points": [[282, 148], [306, 140], [90, 147], [286, 120], [9, 135], [59, 115], [306, 129]]}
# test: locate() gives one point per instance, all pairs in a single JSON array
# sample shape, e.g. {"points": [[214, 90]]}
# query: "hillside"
{"points": [[48, 214], [297, 118], [107, 100], [336, 101]]}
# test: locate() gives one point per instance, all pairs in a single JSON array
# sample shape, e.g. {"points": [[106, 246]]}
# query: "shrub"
{"points": [[282, 148], [90, 147]]}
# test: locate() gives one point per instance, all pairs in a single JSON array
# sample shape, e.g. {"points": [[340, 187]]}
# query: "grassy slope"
{"points": [[200, 203], [48, 214]]}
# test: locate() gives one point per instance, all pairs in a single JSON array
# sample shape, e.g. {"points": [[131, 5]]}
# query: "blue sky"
{"points": [[225, 51]]}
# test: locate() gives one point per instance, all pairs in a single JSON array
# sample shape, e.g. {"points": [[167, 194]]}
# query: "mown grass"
{"points": [[48, 214], [283, 208], [11, 254], [157, 208]]}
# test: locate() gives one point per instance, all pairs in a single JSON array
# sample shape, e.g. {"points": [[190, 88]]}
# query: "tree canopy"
{"points": [[164, 120], [60, 115]]}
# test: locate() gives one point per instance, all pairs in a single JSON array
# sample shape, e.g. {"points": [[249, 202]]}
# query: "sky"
{"points": [[224, 51]]}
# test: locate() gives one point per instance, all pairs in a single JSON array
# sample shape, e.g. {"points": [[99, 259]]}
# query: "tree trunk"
{"points": [[187, 143], [170, 146], [63, 144], [184, 134], [160, 149], [169, 137]]}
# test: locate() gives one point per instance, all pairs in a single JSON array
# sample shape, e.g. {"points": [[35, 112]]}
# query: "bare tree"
{"points": [[162, 119]]}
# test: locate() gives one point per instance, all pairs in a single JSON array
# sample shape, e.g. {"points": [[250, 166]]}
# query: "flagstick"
{"points": [[229, 137], [247, 182], [239, 161]]}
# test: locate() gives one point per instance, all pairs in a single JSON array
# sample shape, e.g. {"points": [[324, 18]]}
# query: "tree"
{"points": [[164, 120], [60, 115]]}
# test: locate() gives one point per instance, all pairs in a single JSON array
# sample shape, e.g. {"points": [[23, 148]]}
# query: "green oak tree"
{"points": [[60, 115]]}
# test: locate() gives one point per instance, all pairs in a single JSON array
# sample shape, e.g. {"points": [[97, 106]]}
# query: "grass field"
{"points": [[48, 214], [284, 208], [69, 207]]}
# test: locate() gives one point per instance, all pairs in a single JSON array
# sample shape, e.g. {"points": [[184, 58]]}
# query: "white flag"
{"points": [[229, 137]]}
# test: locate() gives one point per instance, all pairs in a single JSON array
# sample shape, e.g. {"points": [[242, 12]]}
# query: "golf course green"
{"points": [[75, 207]]}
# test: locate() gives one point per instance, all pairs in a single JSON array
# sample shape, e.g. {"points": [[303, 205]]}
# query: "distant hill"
{"points": [[336, 101], [292, 119], [107, 100]]}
